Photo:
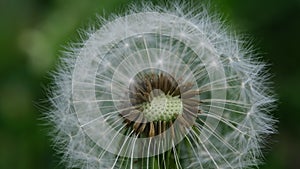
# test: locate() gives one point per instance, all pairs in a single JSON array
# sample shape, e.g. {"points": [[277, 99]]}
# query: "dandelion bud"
{"points": [[161, 88]]}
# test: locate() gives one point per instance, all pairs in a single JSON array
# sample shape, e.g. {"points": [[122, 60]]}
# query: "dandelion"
{"points": [[161, 88]]}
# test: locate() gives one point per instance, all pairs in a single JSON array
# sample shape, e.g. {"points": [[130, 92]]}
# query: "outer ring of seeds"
{"points": [[90, 104]]}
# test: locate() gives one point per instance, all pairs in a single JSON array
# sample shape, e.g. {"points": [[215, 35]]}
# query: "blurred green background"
{"points": [[33, 32]]}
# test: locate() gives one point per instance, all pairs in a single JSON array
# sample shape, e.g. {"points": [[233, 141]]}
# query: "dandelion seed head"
{"points": [[161, 84]]}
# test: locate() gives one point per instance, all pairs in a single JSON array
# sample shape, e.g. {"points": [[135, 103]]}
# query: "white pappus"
{"points": [[161, 87]]}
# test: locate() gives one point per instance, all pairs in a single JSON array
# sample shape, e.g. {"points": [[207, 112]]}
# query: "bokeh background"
{"points": [[34, 32]]}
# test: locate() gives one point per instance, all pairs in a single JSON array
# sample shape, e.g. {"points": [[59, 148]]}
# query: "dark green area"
{"points": [[33, 32]]}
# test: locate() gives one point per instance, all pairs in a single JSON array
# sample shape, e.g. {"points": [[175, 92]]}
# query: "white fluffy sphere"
{"points": [[161, 88]]}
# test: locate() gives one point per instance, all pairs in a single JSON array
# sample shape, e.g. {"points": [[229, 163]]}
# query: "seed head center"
{"points": [[162, 108]]}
